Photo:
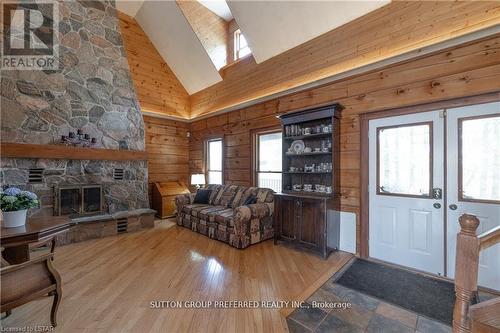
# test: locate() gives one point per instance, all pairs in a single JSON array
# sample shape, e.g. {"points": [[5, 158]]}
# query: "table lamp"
{"points": [[198, 179]]}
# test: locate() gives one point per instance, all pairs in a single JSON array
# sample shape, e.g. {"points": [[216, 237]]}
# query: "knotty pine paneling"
{"points": [[468, 70], [167, 146], [396, 28], [157, 87], [211, 30]]}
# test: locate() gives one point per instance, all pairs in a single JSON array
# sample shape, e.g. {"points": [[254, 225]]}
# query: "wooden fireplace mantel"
{"points": [[25, 150]]}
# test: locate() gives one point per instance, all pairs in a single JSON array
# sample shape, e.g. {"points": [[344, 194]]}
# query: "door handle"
{"points": [[453, 207], [437, 205]]}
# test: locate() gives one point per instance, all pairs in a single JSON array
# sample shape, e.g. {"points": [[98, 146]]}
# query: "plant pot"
{"points": [[14, 219]]}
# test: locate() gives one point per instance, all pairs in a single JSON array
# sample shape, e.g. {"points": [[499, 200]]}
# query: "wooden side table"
{"points": [[23, 278]]}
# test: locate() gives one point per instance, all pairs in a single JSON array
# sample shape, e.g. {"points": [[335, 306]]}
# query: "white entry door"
{"points": [[473, 181], [406, 178]]}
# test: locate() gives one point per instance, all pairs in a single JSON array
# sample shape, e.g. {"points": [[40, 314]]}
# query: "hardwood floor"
{"points": [[109, 283]]}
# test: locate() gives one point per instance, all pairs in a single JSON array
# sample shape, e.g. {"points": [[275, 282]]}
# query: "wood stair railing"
{"points": [[485, 316]]}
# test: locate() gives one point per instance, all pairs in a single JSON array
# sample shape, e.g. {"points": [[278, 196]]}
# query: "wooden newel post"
{"points": [[466, 270]]}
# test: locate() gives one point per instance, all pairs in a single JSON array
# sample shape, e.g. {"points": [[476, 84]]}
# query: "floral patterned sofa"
{"points": [[226, 218]]}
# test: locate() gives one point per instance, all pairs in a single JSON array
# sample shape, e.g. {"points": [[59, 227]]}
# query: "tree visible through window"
{"points": [[404, 160], [214, 161], [241, 48], [268, 166], [480, 170]]}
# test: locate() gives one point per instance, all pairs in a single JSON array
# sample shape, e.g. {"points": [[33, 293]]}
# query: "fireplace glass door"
{"points": [[70, 201], [75, 200], [91, 199]]}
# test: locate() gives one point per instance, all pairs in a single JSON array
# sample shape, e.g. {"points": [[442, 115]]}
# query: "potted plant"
{"points": [[14, 204]]}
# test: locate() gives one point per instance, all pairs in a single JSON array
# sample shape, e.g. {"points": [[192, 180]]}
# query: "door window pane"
{"points": [[404, 160], [480, 157], [214, 162], [269, 160]]}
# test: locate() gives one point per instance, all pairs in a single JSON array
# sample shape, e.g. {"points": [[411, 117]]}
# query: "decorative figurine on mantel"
{"points": [[78, 140]]}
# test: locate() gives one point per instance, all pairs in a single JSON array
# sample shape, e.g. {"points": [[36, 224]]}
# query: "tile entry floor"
{"points": [[366, 314]]}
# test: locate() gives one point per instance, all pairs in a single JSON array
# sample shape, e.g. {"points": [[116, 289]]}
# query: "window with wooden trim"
{"points": [[241, 48], [214, 161], [268, 170]]}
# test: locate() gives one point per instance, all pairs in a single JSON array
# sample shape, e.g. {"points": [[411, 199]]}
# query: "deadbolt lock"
{"points": [[437, 193]]}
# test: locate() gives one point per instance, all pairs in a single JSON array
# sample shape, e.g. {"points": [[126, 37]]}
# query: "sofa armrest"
{"points": [[251, 220], [182, 200], [254, 211]]}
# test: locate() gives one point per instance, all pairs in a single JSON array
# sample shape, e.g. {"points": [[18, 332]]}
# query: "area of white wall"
{"points": [[129, 7], [345, 222], [272, 27], [219, 7], [173, 37]]}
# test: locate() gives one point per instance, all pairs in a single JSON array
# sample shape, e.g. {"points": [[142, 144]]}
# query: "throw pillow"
{"points": [[250, 200], [202, 197]]}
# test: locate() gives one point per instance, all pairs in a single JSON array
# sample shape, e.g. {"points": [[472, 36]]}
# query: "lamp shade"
{"points": [[198, 179]]}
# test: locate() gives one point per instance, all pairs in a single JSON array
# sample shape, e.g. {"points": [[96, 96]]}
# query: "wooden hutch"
{"points": [[310, 179]]}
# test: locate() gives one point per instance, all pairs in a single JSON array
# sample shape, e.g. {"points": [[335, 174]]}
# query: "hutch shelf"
{"points": [[310, 176]]}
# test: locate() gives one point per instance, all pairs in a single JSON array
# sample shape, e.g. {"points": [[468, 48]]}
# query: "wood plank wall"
{"points": [[396, 28], [467, 70], [157, 87], [167, 145], [211, 30]]}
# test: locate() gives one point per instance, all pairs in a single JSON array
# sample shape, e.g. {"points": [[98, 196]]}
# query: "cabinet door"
{"points": [[287, 216], [311, 224]]}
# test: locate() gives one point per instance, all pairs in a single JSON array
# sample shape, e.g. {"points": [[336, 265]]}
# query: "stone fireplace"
{"points": [[79, 179], [92, 91]]}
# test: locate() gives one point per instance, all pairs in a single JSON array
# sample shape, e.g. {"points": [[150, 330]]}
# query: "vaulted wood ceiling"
{"points": [[296, 44], [270, 27], [273, 27]]}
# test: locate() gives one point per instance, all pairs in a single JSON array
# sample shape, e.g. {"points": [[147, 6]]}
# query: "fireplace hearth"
{"points": [[78, 200]]}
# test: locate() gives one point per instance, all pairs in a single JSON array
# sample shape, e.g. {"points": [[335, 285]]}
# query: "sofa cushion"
{"points": [[243, 195], [237, 197], [214, 214], [225, 217], [226, 195], [188, 209], [209, 212], [250, 200], [215, 192]]}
